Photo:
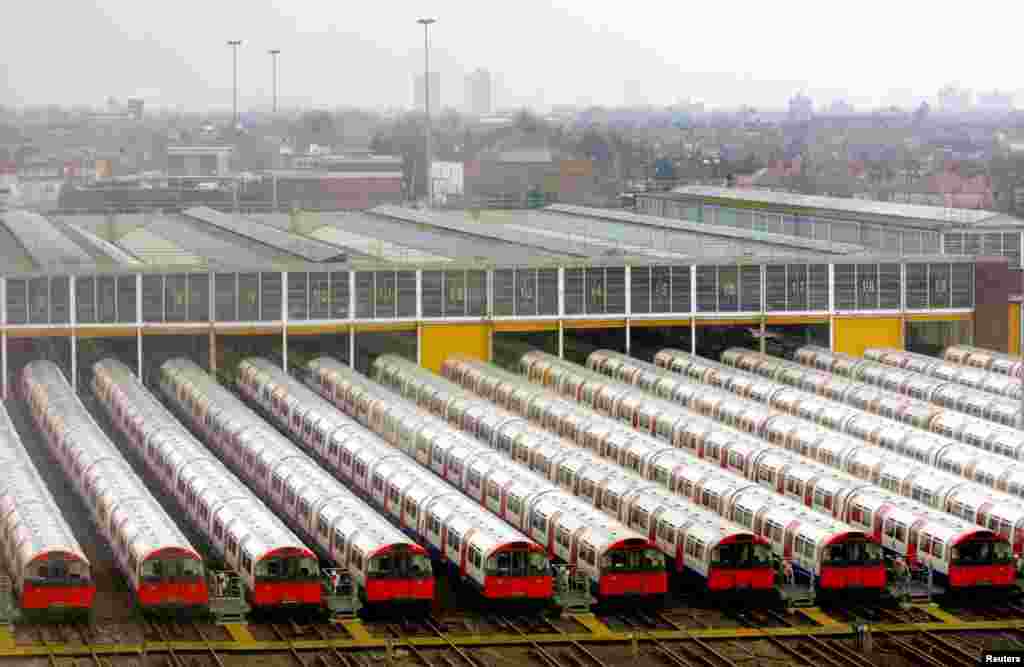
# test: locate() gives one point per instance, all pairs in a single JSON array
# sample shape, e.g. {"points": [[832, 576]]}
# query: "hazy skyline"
{"points": [[335, 54]]}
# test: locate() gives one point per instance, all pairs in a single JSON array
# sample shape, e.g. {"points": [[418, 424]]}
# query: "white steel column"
{"points": [[419, 314], [284, 320], [831, 306], [629, 307], [73, 319], [3, 332], [138, 324], [561, 312], [693, 309], [351, 317]]}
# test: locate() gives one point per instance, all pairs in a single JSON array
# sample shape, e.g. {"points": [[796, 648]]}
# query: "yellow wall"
{"points": [[1013, 344], [854, 335], [439, 341]]}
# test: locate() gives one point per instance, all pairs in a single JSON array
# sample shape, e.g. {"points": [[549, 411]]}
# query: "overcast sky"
{"points": [[562, 52]]}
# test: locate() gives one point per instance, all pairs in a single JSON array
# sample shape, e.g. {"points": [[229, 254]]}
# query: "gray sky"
{"points": [[566, 51]]}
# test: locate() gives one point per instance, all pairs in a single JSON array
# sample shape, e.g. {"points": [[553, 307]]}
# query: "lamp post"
{"points": [[426, 23], [234, 44], [273, 73]]}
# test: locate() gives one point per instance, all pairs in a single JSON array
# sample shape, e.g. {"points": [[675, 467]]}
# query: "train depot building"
{"points": [[566, 279]]}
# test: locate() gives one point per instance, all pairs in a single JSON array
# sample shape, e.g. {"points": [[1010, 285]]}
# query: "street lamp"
{"points": [[273, 73], [234, 44], [426, 23]]}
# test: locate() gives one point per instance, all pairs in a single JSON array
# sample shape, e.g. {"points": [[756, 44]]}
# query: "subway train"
{"points": [[618, 562], [963, 554], [835, 556], [889, 455], [386, 567], [909, 409], [725, 557], [494, 558], [999, 384], [977, 404], [274, 565], [161, 565], [47, 566], [989, 360]]}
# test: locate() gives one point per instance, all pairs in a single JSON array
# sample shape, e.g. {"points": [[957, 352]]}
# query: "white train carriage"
{"points": [[162, 567], [608, 487], [378, 557], [275, 566], [493, 557], [704, 483], [975, 378], [47, 566], [624, 564], [929, 488]]}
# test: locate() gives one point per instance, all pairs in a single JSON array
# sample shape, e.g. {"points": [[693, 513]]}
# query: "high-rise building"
{"points": [[801, 108], [420, 93], [479, 92], [954, 100]]}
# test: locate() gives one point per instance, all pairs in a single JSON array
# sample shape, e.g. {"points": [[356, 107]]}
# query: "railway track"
{"points": [[643, 623], [546, 656]]}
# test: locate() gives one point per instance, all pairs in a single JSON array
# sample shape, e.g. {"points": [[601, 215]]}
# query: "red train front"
{"points": [[171, 577], [286, 576], [739, 563], [57, 581], [399, 573]]}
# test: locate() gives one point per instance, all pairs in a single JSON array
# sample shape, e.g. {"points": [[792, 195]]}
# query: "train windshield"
{"points": [[517, 564], [59, 570], [853, 553], [982, 553], [287, 569], [399, 566], [637, 560], [741, 555], [163, 569]]}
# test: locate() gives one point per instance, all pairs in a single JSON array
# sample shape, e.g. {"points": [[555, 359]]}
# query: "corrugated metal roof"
{"points": [[47, 246], [12, 254], [458, 247], [157, 250], [930, 216], [308, 249], [377, 248], [112, 252], [457, 222], [218, 246], [695, 231]]}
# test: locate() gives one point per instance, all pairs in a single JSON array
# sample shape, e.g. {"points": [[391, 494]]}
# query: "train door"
{"points": [[913, 539], [789, 536]]}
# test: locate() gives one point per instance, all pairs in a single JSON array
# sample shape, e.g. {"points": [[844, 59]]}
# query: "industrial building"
{"points": [[566, 279]]}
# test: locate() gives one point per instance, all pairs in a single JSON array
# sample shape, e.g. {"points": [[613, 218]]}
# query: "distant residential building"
{"points": [[801, 108], [954, 100], [995, 101], [449, 180], [420, 93], [136, 107], [199, 160], [479, 92]]}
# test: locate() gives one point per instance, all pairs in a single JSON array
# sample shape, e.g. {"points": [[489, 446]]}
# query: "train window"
{"points": [[639, 517], [493, 491], [890, 483], [232, 545], [765, 474], [475, 558], [304, 509], [410, 509], [181, 485], [563, 537], [378, 482], [707, 499], [473, 477], [587, 489], [454, 540], [515, 506], [611, 501], [433, 524], [744, 517], [275, 484], [346, 458], [588, 555], [539, 522], [633, 461]]}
